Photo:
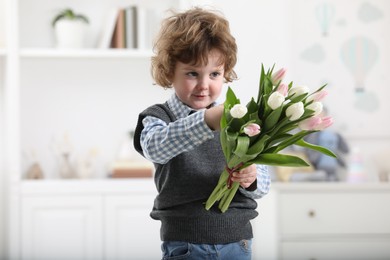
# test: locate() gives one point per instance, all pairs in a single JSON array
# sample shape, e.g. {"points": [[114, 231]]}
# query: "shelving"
{"points": [[94, 95], [84, 53]]}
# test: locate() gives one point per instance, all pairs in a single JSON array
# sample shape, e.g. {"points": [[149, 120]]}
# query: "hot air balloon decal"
{"points": [[359, 54], [325, 13]]}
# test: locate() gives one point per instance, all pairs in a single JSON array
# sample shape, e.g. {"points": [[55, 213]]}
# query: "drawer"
{"points": [[334, 213], [336, 250]]}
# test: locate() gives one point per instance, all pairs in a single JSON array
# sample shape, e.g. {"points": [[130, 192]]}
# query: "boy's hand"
{"points": [[246, 176], [212, 117]]}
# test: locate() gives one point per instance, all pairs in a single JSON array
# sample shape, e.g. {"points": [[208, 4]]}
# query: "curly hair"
{"points": [[189, 37]]}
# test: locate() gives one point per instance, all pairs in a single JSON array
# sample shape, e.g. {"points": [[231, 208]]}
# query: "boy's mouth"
{"points": [[200, 96]]}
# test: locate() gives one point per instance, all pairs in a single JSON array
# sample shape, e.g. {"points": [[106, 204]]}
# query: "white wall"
{"points": [[2, 24], [289, 33], [266, 31], [2, 174]]}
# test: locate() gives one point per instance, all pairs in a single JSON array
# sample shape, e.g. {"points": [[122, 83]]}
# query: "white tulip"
{"points": [[238, 111], [295, 111], [275, 100], [316, 107], [297, 91]]}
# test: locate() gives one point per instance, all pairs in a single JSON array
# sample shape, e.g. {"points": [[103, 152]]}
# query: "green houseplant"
{"points": [[70, 29]]}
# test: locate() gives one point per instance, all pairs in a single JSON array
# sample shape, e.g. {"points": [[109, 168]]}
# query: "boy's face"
{"points": [[199, 86]]}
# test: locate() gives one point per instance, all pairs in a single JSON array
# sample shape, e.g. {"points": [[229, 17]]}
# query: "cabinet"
{"points": [[105, 219], [333, 221]]}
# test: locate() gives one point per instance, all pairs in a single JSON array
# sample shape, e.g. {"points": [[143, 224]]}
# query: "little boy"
{"points": [[195, 55]]}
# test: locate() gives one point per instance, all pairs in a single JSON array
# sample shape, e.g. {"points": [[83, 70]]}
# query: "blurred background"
{"points": [[70, 97]]}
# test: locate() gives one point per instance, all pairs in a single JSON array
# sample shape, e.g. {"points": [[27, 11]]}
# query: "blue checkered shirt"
{"points": [[161, 142]]}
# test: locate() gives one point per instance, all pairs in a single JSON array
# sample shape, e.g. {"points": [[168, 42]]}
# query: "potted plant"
{"points": [[70, 29]]}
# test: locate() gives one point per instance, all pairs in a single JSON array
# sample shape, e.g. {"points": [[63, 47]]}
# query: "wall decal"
{"points": [[314, 53], [325, 13], [367, 101], [359, 54], [369, 13]]}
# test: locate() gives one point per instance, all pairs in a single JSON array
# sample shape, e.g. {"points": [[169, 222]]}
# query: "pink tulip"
{"points": [[311, 123], [283, 89], [318, 96], [278, 76], [325, 123], [252, 129]]}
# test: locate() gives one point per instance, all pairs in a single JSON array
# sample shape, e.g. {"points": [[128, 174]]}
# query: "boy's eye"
{"points": [[192, 74], [215, 74]]}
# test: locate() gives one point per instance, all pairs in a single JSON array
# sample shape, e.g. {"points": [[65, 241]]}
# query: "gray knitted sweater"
{"points": [[184, 184]]}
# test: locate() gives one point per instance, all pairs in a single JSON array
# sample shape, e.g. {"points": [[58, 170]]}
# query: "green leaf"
{"points": [[252, 106], [230, 143], [223, 140], [275, 159], [261, 85], [242, 146], [231, 98], [289, 141], [272, 119], [317, 148], [258, 146]]}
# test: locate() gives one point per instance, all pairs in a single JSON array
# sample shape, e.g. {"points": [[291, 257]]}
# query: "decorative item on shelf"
{"points": [[129, 164], [86, 166], [70, 29], [34, 170], [382, 164], [63, 151], [356, 173]]}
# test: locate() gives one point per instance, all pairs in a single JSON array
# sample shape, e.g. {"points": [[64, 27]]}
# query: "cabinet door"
{"points": [[334, 213], [130, 232], [60, 227], [331, 249]]}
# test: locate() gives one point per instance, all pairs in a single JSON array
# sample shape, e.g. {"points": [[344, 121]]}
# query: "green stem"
{"points": [[229, 198]]}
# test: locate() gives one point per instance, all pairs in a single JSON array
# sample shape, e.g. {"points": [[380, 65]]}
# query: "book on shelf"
{"points": [[108, 29], [131, 27], [118, 39]]}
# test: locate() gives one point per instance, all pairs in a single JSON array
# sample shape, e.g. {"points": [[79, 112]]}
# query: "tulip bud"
{"points": [[295, 111], [252, 129], [283, 89], [275, 100], [238, 111], [316, 107], [325, 123], [297, 91], [318, 96], [310, 123], [278, 76]]}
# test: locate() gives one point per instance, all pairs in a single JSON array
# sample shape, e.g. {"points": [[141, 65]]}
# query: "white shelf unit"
{"points": [[85, 53]]}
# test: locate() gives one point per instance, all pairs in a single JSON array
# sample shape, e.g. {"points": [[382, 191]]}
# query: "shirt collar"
{"points": [[178, 108]]}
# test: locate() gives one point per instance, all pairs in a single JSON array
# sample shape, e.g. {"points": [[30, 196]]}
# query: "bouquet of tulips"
{"points": [[257, 132]]}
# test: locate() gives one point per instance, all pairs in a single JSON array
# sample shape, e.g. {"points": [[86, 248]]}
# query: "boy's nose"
{"points": [[203, 83]]}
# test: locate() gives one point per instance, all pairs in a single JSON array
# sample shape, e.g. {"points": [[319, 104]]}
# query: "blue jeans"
{"points": [[176, 250]]}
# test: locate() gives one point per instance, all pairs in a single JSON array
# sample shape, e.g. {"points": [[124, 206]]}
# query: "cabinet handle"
{"points": [[312, 213]]}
